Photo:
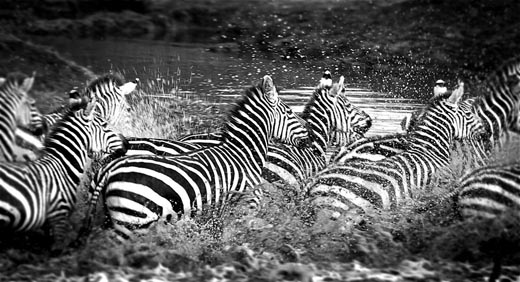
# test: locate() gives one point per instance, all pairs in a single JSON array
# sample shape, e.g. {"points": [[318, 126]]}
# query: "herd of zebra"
{"points": [[142, 180]]}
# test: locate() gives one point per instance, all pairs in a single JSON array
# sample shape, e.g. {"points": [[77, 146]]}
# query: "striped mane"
{"points": [[13, 78], [238, 106], [310, 104], [433, 102]]}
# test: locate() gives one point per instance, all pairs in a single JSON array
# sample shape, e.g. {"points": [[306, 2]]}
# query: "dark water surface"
{"points": [[192, 71]]}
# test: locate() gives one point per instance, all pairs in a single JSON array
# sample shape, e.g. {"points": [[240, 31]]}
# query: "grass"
{"points": [[284, 240]]}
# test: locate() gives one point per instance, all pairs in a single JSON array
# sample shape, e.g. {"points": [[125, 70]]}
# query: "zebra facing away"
{"points": [[42, 193], [376, 148], [140, 190], [16, 109], [382, 184], [488, 191]]}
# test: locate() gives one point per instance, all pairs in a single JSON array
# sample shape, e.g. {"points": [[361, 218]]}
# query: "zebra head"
{"points": [[102, 140], [111, 96], [450, 116], [285, 125], [26, 114], [349, 123]]}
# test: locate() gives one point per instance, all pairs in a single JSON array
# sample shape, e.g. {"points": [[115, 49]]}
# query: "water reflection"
{"points": [[192, 71]]}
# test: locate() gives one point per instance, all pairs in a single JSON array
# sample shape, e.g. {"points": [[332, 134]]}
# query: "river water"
{"points": [[193, 71]]}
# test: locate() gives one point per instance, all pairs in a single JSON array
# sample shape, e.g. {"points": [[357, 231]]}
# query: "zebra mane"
{"points": [[248, 93], [16, 78], [115, 78], [308, 106], [419, 120]]}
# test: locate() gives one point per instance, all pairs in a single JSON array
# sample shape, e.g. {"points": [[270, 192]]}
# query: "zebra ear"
{"points": [[269, 89], [337, 88], [456, 94], [90, 108], [27, 84], [2, 81], [128, 87]]}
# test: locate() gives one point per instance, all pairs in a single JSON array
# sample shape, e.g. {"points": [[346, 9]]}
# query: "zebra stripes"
{"points": [[377, 148], [490, 191], [16, 109], [111, 92], [43, 192], [139, 190], [499, 106], [330, 117], [111, 105], [365, 185]]}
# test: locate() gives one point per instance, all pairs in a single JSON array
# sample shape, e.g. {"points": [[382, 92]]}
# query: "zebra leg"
{"points": [[56, 230], [86, 228]]}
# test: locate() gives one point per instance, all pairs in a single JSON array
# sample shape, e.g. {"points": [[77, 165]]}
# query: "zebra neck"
{"points": [[319, 132], [430, 141], [495, 110], [249, 144]]}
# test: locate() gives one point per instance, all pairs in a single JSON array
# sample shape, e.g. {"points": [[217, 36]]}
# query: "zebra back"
{"points": [[141, 189], [44, 191], [382, 184], [17, 109], [490, 191], [203, 139]]}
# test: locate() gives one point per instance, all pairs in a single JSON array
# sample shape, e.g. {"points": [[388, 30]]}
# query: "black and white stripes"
{"points": [[43, 192], [141, 189], [17, 109], [382, 184]]}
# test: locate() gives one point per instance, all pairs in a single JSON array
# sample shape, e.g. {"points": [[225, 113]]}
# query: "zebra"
{"points": [[42, 193], [377, 148], [488, 190], [111, 104], [140, 190], [111, 92], [330, 117], [16, 109], [365, 185]]}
